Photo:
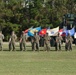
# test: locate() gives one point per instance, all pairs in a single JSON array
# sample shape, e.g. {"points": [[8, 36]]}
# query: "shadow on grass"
{"points": [[52, 49], [33, 51]]}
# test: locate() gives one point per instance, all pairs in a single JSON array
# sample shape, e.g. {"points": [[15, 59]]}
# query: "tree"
{"points": [[19, 15]]}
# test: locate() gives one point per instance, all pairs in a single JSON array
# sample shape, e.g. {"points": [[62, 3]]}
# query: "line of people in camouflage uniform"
{"points": [[35, 42], [68, 42]]}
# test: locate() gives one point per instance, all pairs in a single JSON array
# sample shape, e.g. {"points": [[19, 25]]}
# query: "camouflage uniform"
{"points": [[68, 44], [36, 42], [1, 40], [12, 40], [47, 42], [23, 41], [58, 42]]}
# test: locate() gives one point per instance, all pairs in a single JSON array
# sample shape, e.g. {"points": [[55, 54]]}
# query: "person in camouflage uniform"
{"points": [[1, 40], [58, 42], [47, 42], [35, 41], [23, 41], [68, 42], [12, 40]]}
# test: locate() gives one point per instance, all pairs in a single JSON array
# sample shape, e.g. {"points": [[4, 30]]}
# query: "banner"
{"points": [[26, 31], [53, 32], [31, 32], [42, 32]]}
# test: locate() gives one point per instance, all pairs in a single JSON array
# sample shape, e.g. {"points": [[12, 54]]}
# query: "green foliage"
{"points": [[34, 23], [16, 15]]}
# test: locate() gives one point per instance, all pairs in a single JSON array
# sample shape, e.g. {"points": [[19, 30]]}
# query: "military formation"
{"points": [[35, 42]]}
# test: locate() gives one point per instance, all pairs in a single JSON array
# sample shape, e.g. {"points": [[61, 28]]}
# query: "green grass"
{"points": [[38, 63]]}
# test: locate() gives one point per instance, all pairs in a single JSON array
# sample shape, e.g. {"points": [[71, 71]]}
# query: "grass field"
{"points": [[38, 63]]}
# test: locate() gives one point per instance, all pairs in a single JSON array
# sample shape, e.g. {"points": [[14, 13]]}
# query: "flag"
{"points": [[31, 32], [53, 32], [63, 32], [43, 32], [71, 32], [60, 31], [26, 31]]}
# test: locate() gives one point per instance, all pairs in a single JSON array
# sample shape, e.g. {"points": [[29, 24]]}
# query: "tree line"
{"points": [[19, 15]]}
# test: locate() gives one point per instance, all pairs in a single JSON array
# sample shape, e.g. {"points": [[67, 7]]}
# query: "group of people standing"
{"points": [[68, 42], [58, 42], [35, 41], [22, 41], [12, 41]]}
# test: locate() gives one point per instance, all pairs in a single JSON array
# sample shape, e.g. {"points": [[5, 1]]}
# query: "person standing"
{"points": [[23, 41], [1, 40], [36, 39], [12, 40], [47, 42], [66, 43], [69, 40], [58, 42], [75, 38]]}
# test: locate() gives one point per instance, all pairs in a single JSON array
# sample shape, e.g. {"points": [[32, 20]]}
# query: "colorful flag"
{"points": [[53, 32], [63, 34], [61, 31], [71, 32], [26, 31], [42, 32], [31, 32]]}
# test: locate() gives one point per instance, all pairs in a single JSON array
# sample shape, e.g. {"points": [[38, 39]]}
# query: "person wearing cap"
{"points": [[47, 42], [23, 41], [1, 40], [12, 40]]}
